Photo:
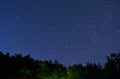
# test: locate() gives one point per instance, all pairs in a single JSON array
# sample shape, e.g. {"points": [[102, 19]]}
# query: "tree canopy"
{"points": [[13, 66]]}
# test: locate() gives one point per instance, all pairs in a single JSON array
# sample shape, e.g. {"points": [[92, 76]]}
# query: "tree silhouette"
{"points": [[18, 66], [112, 66], [6, 71], [94, 71]]}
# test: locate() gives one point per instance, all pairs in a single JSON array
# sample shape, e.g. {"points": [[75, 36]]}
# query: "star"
{"points": [[90, 16], [79, 30], [66, 47], [118, 31], [95, 34], [66, 40]]}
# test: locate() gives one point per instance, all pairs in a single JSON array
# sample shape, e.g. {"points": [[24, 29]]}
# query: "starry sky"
{"points": [[70, 31]]}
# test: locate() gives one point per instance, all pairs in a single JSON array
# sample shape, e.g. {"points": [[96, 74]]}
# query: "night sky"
{"points": [[70, 31]]}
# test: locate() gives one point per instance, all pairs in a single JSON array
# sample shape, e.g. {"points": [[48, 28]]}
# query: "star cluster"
{"points": [[71, 31]]}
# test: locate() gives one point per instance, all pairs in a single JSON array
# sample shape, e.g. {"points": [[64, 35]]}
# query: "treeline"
{"points": [[13, 66]]}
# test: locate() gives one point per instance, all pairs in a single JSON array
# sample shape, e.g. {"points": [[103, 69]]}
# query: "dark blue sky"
{"points": [[71, 31]]}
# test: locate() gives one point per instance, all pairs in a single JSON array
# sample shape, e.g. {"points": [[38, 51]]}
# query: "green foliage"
{"points": [[52, 70], [18, 65], [26, 72], [76, 72]]}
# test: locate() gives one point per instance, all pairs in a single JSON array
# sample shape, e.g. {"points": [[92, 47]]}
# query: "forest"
{"points": [[17, 65]]}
